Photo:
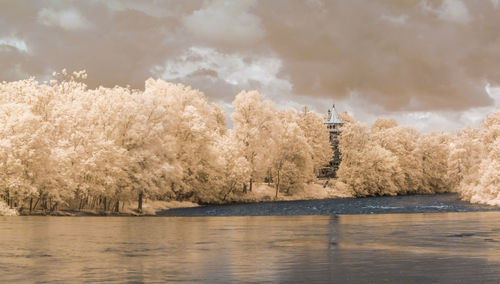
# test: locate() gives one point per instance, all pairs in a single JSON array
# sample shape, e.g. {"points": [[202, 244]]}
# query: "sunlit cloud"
{"points": [[233, 69], [450, 10], [225, 21], [401, 19], [68, 19], [13, 42]]}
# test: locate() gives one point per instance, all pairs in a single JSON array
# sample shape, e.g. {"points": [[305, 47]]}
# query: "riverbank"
{"points": [[261, 192], [6, 211], [433, 203], [128, 209]]}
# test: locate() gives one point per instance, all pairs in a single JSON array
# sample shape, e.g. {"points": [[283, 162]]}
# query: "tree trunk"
{"points": [[105, 204], [31, 204], [117, 206], [139, 203], [36, 203], [228, 192], [54, 207], [251, 184], [278, 184]]}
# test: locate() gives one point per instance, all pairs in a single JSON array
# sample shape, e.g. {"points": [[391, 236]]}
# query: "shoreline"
{"points": [[402, 204]]}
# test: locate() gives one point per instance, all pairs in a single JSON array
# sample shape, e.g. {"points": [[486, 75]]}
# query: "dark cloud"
{"points": [[115, 46], [401, 55]]}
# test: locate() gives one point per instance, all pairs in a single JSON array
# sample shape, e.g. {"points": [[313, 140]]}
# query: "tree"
{"points": [[292, 163], [474, 160], [367, 168], [255, 123], [434, 150], [390, 159], [317, 138], [233, 167], [402, 142]]}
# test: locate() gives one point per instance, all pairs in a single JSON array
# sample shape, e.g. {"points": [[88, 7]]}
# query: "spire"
{"points": [[333, 116]]}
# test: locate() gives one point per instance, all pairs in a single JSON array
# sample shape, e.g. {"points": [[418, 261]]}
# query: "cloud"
{"points": [[426, 64], [167, 8], [401, 19], [430, 59], [454, 10], [14, 55], [225, 21], [205, 65], [450, 10], [13, 42], [426, 121], [67, 19]]}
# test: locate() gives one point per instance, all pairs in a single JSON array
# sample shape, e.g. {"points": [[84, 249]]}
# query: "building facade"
{"points": [[333, 124]]}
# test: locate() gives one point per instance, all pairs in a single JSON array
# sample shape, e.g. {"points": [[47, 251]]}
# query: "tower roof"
{"points": [[333, 116]]}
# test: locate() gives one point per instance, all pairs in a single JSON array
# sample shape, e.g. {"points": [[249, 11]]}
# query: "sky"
{"points": [[432, 65]]}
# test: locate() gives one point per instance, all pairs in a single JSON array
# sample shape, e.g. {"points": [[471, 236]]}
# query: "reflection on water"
{"points": [[447, 247]]}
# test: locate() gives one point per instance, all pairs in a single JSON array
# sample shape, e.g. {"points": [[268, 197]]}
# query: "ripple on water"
{"points": [[396, 248]]}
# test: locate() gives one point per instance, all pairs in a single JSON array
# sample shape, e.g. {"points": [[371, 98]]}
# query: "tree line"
{"points": [[388, 159], [63, 145]]}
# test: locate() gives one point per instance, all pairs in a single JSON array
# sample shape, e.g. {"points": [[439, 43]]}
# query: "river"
{"points": [[395, 248]]}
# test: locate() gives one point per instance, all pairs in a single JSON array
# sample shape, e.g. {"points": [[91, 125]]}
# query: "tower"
{"points": [[333, 124]]}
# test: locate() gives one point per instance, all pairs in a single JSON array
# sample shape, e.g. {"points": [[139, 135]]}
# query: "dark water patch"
{"points": [[203, 243], [133, 250], [134, 255], [437, 203], [461, 235], [37, 255], [492, 240]]}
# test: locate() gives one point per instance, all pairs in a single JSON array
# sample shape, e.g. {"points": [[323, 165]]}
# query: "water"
{"points": [[431, 203], [397, 248]]}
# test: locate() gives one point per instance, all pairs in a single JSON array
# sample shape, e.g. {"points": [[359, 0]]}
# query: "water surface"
{"points": [[430, 203], [396, 248]]}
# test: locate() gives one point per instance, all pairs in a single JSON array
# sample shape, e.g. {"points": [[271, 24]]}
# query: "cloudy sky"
{"points": [[433, 65]]}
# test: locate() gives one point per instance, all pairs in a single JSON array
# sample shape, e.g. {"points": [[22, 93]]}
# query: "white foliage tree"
{"points": [[367, 168], [475, 165], [255, 124], [317, 138], [390, 159], [292, 162], [64, 145]]}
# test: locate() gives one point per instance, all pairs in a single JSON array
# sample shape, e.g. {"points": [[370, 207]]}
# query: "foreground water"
{"points": [[396, 248]]}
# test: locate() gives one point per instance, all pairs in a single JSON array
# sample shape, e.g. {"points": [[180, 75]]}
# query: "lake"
{"points": [[395, 248]]}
